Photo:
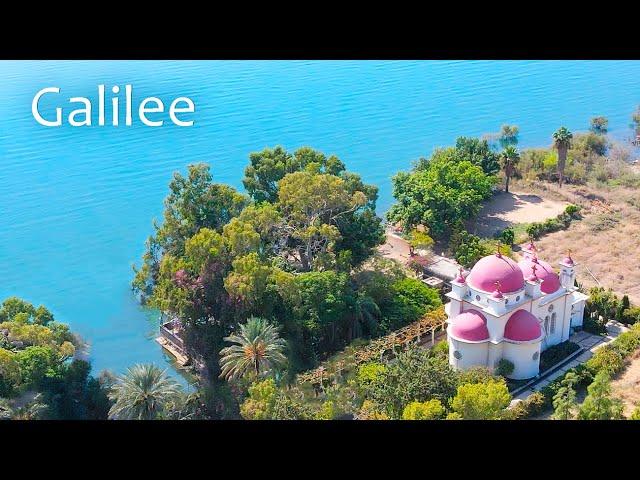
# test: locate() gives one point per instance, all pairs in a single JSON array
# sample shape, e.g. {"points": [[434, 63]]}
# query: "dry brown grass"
{"points": [[627, 386], [606, 242]]}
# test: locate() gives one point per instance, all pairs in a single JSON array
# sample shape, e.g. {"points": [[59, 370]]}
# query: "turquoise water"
{"points": [[76, 203]]}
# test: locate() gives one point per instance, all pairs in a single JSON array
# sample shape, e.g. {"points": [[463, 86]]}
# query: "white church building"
{"points": [[503, 309]]}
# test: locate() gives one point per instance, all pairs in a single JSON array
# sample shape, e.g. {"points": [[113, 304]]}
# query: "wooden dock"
{"points": [[181, 358]]}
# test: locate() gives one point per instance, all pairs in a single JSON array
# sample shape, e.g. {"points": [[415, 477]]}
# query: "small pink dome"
{"points": [[522, 326], [494, 268], [544, 272], [567, 260], [470, 325]]}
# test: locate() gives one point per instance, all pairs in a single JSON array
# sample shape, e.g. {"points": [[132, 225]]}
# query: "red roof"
{"points": [[522, 326], [494, 268], [544, 272], [470, 325]]}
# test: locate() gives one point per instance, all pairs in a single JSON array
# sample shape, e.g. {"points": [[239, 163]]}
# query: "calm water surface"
{"points": [[76, 203]]}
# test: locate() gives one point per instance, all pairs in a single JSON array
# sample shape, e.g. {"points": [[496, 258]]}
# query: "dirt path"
{"points": [[506, 209]]}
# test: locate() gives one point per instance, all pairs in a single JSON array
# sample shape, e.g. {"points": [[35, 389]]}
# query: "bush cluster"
{"points": [[537, 229], [556, 353]]}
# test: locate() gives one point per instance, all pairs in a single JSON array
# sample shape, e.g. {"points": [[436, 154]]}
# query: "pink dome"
{"points": [[470, 325], [522, 326], [544, 272], [494, 268]]}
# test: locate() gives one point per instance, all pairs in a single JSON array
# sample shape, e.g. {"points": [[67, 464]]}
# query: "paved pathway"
{"points": [[586, 340], [397, 248]]}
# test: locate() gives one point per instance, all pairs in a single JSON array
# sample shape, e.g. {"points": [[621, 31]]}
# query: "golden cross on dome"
{"points": [[533, 269]]}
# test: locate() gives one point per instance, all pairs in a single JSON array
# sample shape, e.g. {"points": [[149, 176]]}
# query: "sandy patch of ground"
{"points": [[506, 209], [627, 386], [605, 243]]}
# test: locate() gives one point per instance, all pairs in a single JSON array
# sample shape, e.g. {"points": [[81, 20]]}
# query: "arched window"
{"points": [[553, 323], [546, 325]]}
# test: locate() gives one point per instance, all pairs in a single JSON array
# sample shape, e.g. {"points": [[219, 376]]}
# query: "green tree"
{"points": [[35, 362], [510, 158], [194, 202], [10, 376], [143, 393], [481, 401], [599, 404], [429, 410], [257, 349], [415, 376], [564, 401], [635, 415], [562, 141], [260, 403], [439, 194], [478, 152], [411, 300], [599, 125], [268, 167]]}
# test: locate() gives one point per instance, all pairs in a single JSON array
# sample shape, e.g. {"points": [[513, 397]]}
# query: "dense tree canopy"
{"points": [[439, 193], [284, 253], [36, 355]]}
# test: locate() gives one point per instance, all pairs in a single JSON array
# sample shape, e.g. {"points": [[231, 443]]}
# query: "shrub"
{"points": [[626, 343], [535, 404], [260, 402], [504, 367], [630, 315], [440, 349], [482, 401], [467, 248], [606, 359], [635, 415], [429, 410], [368, 411], [476, 375], [507, 236], [555, 354]]}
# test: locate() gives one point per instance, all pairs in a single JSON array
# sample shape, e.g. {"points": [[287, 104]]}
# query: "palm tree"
{"points": [[366, 314], [508, 136], [562, 140], [510, 158], [258, 348], [143, 393]]}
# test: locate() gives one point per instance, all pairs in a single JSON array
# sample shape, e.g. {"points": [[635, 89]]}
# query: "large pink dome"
{"points": [[494, 268], [522, 326], [470, 325], [544, 271]]}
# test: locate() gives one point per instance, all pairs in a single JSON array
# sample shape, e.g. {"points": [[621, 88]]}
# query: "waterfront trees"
{"points": [[599, 125], [510, 158], [36, 360], [144, 393], [220, 257], [439, 193], [562, 141]]}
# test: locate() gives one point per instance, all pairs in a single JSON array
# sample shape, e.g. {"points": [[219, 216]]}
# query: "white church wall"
{"points": [[525, 358], [463, 355], [495, 354]]}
